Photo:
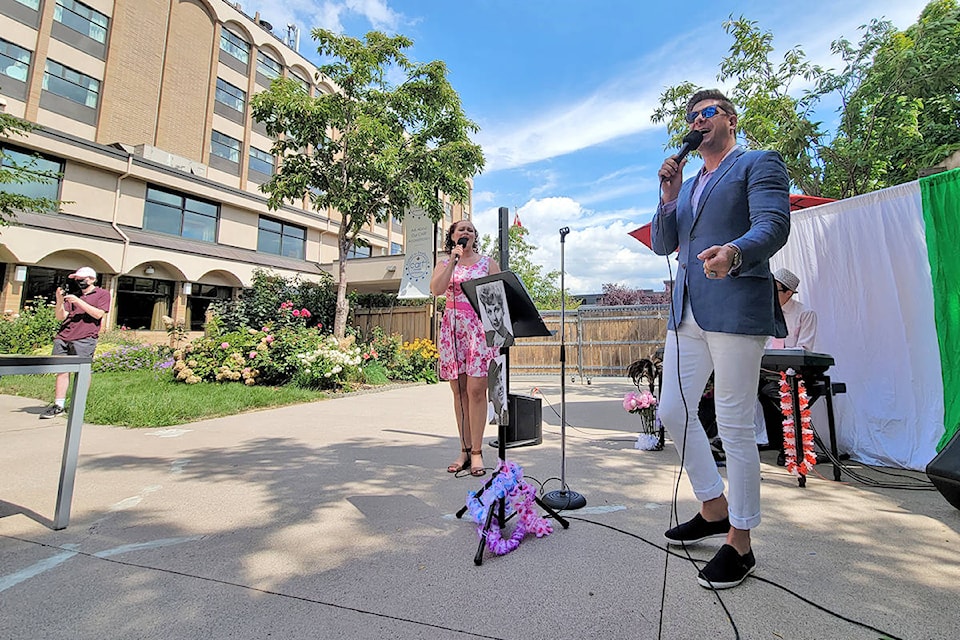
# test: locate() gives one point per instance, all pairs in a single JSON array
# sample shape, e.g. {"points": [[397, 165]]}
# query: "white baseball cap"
{"points": [[84, 272]]}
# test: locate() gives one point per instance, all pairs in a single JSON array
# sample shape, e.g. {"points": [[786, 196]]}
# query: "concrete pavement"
{"points": [[335, 520]]}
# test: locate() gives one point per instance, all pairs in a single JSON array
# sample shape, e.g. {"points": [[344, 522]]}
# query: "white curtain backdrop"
{"points": [[862, 264]]}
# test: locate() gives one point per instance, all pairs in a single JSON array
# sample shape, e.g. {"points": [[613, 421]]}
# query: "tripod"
{"points": [[563, 498], [499, 508], [526, 322]]}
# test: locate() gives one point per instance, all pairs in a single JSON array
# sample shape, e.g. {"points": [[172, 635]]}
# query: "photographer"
{"points": [[79, 309]]}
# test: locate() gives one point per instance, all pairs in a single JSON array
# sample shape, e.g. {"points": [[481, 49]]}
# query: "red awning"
{"points": [[797, 201], [800, 201]]}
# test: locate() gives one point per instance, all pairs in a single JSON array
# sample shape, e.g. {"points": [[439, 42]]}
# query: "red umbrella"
{"points": [[797, 201]]}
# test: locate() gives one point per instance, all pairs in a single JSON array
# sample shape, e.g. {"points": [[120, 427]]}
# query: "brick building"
{"points": [[145, 112]]}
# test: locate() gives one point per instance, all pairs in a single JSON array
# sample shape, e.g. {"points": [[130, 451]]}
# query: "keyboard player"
{"points": [[801, 333]]}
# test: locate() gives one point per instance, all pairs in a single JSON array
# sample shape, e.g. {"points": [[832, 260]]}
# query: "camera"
{"points": [[70, 287]]}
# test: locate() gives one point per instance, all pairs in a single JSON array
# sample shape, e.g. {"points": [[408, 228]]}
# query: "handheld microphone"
{"points": [[690, 143], [463, 243]]}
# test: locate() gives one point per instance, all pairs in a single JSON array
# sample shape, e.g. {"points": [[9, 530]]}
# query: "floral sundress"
{"points": [[463, 346]]}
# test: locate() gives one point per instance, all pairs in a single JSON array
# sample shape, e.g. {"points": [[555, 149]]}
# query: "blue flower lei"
{"points": [[508, 483]]}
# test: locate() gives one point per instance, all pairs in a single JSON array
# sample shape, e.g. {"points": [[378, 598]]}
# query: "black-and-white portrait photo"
{"points": [[497, 391], [494, 314]]}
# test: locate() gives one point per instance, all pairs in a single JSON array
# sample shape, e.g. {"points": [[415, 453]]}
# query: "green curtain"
{"points": [[941, 216]]}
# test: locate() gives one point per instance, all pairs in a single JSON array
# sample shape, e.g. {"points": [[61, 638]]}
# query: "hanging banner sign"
{"points": [[419, 255]]}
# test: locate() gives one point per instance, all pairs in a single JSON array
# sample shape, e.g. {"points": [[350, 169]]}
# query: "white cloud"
{"points": [[377, 12], [597, 251], [481, 198], [326, 14], [623, 106]]}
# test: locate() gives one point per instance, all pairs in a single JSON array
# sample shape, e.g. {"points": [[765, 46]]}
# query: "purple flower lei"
{"points": [[508, 483]]}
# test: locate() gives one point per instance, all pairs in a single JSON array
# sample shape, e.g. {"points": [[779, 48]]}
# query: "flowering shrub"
{"points": [[332, 364], [289, 316], [131, 358], [259, 306], [287, 352], [415, 360], [418, 361], [386, 348], [233, 356], [31, 328]]}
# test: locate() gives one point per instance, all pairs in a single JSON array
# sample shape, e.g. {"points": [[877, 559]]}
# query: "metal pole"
{"points": [[564, 498]]}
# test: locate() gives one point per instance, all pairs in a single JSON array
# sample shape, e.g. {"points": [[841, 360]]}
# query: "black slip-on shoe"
{"points": [[696, 530], [727, 569]]}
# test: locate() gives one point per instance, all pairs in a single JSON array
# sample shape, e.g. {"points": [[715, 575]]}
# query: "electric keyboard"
{"points": [[806, 363]]}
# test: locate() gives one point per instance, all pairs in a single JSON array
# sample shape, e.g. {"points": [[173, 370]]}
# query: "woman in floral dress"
{"points": [[464, 354]]}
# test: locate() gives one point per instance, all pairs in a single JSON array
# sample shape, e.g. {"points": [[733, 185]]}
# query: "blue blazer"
{"points": [[746, 202]]}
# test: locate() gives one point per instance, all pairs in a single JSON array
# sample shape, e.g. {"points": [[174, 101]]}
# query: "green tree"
{"points": [[370, 149], [899, 95], [902, 115], [769, 116], [543, 288], [14, 173]]}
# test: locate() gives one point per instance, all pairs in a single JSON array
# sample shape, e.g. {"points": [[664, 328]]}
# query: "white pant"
{"points": [[735, 361]]}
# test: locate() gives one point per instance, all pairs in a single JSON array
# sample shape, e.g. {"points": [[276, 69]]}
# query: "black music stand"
{"points": [[526, 322]]}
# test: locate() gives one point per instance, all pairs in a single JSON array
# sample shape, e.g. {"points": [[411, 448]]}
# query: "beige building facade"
{"points": [[144, 109]]}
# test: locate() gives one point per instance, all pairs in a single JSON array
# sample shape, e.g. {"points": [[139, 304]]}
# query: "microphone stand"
{"points": [[564, 498]]}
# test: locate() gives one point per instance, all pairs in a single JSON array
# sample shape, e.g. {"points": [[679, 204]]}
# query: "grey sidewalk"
{"points": [[335, 520]]}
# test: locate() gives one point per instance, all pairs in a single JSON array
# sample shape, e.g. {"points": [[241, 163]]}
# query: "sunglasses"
{"points": [[706, 112], [782, 289]]}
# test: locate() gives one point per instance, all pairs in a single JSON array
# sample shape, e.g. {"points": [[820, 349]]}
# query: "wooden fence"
{"points": [[409, 322], [600, 341]]}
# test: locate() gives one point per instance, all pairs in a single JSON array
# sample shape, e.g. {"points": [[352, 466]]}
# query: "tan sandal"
{"points": [[477, 471], [460, 465]]}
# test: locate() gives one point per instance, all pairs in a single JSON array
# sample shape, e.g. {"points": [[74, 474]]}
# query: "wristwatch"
{"points": [[737, 256]]}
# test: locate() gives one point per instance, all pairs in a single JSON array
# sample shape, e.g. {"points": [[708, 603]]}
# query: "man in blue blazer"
{"points": [[726, 222]]}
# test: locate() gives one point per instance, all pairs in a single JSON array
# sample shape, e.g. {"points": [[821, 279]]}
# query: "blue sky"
{"points": [[563, 91]]}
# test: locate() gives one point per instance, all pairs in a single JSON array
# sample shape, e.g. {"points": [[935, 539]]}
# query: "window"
{"points": [[396, 248], [447, 211], [234, 45], [396, 224], [303, 83], [33, 4], [261, 161], [42, 282], [40, 175], [14, 61], [180, 215], [281, 239], [72, 85], [231, 96], [142, 302], [225, 147], [267, 66], [358, 252], [200, 299], [82, 19]]}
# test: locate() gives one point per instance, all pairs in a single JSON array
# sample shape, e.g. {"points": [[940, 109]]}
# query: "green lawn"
{"points": [[148, 399]]}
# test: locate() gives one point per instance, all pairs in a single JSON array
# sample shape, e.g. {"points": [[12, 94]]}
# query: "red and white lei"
{"points": [[808, 458]]}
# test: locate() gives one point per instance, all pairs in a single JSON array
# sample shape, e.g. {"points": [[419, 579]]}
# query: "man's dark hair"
{"points": [[712, 94]]}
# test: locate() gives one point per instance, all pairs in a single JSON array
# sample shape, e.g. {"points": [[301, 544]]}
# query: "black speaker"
{"points": [[526, 422], [944, 471]]}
